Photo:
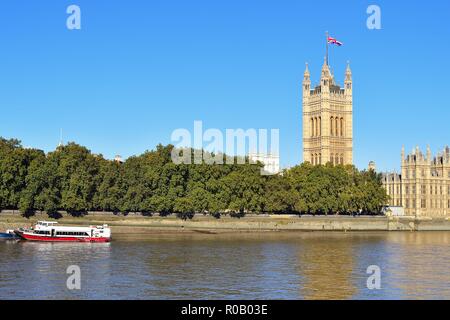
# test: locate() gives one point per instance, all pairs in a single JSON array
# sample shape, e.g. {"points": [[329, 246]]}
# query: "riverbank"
{"points": [[250, 223]]}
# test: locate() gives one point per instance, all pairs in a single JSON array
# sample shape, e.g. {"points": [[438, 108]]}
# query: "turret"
{"points": [[348, 83], [306, 83], [325, 78], [428, 154], [403, 154]]}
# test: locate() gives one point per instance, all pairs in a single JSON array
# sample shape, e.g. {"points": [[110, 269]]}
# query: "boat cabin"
{"points": [[46, 223]]}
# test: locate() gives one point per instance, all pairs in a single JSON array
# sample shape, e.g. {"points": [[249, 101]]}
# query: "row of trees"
{"points": [[73, 179]]}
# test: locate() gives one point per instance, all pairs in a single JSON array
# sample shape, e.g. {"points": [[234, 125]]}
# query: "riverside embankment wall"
{"points": [[247, 223]]}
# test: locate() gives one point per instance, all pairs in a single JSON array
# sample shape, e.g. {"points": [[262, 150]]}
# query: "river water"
{"points": [[232, 266]]}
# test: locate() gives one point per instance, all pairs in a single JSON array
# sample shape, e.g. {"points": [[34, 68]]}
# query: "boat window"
{"points": [[64, 233], [42, 232]]}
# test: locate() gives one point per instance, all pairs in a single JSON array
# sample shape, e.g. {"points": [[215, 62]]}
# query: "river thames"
{"points": [[232, 266]]}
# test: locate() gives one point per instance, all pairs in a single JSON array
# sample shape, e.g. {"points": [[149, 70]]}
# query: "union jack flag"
{"points": [[334, 41]]}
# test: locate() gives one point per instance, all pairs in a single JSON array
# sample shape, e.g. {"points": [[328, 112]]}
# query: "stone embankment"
{"points": [[249, 223]]}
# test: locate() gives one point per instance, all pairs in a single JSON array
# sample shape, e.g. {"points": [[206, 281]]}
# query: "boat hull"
{"points": [[42, 238], [7, 236]]}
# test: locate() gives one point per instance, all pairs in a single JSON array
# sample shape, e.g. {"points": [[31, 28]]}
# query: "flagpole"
{"points": [[327, 47]]}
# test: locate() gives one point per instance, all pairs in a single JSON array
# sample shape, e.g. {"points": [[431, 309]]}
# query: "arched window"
{"points": [[312, 127], [320, 158], [312, 158], [342, 159], [336, 159], [320, 126], [332, 159], [342, 127], [317, 160], [317, 127], [331, 126], [337, 127]]}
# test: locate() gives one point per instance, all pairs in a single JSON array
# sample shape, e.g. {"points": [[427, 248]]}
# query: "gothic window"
{"points": [[332, 162], [337, 127], [312, 158], [317, 160], [317, 126], [320, 158], [331, 126], [336, 159], [342, 127], [320, 126], [313, 127], [342, 159]]}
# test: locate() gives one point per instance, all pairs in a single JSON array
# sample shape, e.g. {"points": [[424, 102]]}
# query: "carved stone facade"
{"points": [[423, 187], [328, 119]]}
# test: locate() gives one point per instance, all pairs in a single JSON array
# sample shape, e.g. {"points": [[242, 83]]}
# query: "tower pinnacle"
{"points": [[306, 82], [326, 74]]}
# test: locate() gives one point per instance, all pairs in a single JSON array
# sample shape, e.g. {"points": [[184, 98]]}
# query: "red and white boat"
{"points": [[50, 232]]}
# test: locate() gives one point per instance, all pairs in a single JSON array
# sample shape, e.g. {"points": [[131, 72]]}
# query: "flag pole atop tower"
{"points": [[327, 35]]}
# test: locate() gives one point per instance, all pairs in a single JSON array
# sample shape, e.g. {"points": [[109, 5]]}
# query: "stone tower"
{"points": [[328, 119]]}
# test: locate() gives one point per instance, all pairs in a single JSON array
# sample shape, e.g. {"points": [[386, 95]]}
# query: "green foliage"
{"points": [[328, 189], [73, 179]]}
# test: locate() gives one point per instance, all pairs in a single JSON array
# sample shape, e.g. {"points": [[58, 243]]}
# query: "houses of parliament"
{"points": [[327, 119], [422, 189]]}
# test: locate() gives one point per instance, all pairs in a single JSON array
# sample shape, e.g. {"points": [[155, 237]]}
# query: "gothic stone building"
{"points": [[327, 119], [423, 187]]}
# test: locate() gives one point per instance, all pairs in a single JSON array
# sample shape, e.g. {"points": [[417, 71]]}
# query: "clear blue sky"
{"points": [[137, 70]]}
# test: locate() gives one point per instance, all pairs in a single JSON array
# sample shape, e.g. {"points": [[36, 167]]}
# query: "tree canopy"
{"points": [[73, 179]]}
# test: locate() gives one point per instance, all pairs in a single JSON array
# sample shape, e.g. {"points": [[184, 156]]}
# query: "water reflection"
{"points": [[38, 270], [421, 267], [232, 266], [326, 265]]}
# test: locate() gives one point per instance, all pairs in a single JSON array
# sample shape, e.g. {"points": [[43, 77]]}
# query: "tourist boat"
{"points": [[8, 235], [50, 232]]}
